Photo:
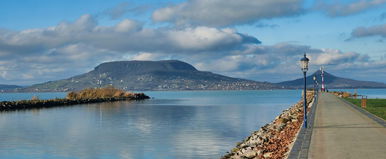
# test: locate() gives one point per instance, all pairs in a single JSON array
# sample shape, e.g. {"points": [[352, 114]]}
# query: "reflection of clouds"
{"points": [[3, 120], [57, 132], [143, 124], [231, 117], [201, 144], [125, 154]]}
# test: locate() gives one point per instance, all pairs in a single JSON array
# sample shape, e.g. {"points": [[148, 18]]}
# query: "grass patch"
{"points": [[374, 106]]}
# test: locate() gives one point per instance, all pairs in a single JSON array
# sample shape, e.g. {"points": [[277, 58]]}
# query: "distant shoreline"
{"points": [[184, 90]]}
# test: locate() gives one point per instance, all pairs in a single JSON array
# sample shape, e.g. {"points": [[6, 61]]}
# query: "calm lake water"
{"points": [[172, 125], [370, 93]]}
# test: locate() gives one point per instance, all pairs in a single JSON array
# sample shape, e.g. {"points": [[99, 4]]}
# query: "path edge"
{"points": [[365, 112], [302, 143]]}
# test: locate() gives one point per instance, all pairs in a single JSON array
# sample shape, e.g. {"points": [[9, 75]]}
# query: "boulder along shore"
{"points": [[34, 104], [274, 140]]}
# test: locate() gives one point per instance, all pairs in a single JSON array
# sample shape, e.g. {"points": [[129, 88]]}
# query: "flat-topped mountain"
{"points": [[331, 82], [122, 68], [150, 75]]}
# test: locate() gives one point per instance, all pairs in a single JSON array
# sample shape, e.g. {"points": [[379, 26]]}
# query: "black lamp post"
{"points": [[304, 66], [314, 78]]}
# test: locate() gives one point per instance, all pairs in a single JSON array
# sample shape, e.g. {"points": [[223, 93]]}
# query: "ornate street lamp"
{"points": [[304, 66]]}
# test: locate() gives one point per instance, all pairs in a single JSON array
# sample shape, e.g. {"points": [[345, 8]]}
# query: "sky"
{"points": [[263, 40]]}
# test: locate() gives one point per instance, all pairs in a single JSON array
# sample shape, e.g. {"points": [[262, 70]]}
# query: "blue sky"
{"points": [[262, 40]]}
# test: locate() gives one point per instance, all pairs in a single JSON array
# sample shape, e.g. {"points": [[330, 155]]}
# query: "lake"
{"points": [[370, 93], [171, 125]]}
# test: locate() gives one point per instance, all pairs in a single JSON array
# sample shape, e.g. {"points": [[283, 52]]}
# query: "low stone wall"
{"points": [[33, 104], [274, 140]]}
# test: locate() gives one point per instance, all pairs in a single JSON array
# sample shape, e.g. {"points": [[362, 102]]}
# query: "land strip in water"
{"points": [[87, 96]]}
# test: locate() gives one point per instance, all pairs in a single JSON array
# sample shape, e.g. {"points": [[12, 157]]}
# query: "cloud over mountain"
{"points": [[127, 35], [275, 62], [84, 43], [336, 57]]}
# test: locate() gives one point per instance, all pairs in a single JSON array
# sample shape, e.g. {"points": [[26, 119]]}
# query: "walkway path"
{"points": [[341, 132]]}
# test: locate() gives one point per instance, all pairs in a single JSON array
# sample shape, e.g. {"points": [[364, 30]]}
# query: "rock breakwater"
{"points": [[36, 103], [274, 140]]}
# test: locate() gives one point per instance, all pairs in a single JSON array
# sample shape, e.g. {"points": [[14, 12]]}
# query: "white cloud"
{"points": [[126, 8], [127, 25], [200, 38], [239, 63], [339, 8], [379, 30], [117, 11], [279, 62], [83, 44], [146, 56], [226, 12], [71, 48], [125, 36], [85, 23], [335, 57]]}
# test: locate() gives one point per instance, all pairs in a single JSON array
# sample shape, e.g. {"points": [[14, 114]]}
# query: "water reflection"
{"points": [[169, 126]]}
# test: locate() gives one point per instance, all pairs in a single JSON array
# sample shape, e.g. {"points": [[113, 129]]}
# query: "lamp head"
{"points": [[304, 63]]}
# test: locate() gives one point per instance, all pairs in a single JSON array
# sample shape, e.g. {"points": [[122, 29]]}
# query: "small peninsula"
{"points": [[86, 96]]}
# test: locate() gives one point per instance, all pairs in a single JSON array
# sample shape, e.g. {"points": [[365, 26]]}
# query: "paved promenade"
{"points": [[342, 132]]}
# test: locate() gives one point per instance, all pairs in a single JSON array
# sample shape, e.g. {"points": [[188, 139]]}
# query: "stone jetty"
{"points": [[274, 140], [86, 96]]}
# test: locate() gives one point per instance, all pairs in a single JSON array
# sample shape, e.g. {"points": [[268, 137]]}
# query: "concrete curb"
{"points": [[303, 140]]}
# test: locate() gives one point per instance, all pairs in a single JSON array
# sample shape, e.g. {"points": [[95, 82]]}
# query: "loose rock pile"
{"points": [[275, 139]]}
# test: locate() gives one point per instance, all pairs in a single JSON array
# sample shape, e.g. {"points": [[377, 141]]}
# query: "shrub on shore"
{"points": [[343, 94], [94, 93], [35, 98]]}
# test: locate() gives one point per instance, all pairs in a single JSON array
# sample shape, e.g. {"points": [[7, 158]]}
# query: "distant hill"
{"points": [[331, 82], [6, 88], [150, 75]]}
